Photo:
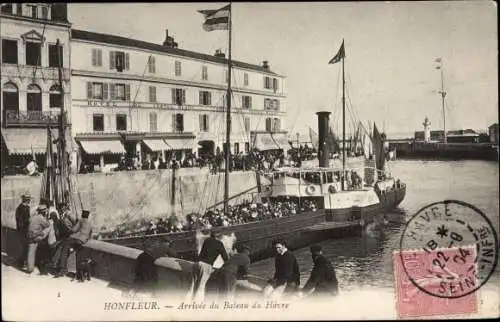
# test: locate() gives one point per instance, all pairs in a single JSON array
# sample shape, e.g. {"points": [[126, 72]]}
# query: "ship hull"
{"points": [[260, 235]]}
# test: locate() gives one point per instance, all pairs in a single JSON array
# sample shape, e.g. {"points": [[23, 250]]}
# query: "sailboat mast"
{"points": [[228, 118], [443, 94], [62, 129], [343, 120]]}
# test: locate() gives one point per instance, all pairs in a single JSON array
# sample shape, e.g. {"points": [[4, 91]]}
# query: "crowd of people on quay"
{"points": [[48, 235], [245, 212]]}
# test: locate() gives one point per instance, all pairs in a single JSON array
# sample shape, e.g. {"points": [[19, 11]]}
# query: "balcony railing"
{"points": [[27, 72], [31, 118]]}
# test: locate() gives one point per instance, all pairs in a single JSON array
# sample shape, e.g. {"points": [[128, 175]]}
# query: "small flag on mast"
{"points": [[340, 54], [216, 19]]}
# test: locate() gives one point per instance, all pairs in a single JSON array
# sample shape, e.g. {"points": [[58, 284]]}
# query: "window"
{"points": [[267, 82], [98, 122], [10, 97], [267, 103], [247, 123], [53, 55], [96, 57], [34, 98], [204, 73], [276, 124], [32, 11], [45, 13], [275, 84], [33, 54], [203, 123], [246, 102], [226, 72], [98, 91], [178, 96], [247, 147], [7, 8], [205, 98], [245, 79], [55, 96], [9, 51], [153, 122], [178, 123], [236, 148], [119, 60], [276, 105], [269, 124], [121, 122], [152, 64], [120, 92], [178, 68], [152, 94], [19, 9]]}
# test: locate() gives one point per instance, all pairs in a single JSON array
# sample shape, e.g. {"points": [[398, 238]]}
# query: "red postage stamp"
{"points": [[440, 282]]}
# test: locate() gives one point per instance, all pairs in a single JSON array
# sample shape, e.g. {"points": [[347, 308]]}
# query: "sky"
{"points": [[390, 48]]}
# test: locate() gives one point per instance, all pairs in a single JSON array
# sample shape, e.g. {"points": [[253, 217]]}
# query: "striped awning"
{"points": [[156, 144], [281, 140], [271, 141], [102, 146], [180, 143], [27, 141]]}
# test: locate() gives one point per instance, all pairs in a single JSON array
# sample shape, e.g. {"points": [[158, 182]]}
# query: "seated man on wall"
{"points": [[146, 274], [38, 231], [67, 225], [75, 241]]}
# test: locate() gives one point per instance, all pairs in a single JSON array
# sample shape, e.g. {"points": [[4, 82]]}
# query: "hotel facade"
{"points": [[146, 100], [31, 95]]}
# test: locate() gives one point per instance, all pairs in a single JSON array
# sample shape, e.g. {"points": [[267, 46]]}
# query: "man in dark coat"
{"points": [[287, 274], [146, 274], [323, 280], [203, 267], [22, 223], [223, 281]]}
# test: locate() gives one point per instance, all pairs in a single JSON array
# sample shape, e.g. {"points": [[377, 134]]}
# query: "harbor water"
{"points": [[364, 263]]}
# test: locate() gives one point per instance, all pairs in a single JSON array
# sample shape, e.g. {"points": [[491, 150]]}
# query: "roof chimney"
{"points": [[219, 53], [265, 64], [169, 41]]}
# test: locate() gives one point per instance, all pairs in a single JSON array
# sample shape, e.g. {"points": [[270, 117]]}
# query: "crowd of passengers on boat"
{"points": [[245, 212]]}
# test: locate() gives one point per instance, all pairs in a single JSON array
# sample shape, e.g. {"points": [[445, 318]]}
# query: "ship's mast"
{"points": [[228, 119], [443, 95], [343, 120]]}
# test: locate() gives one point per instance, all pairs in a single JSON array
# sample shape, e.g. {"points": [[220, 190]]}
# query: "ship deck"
{"points": [[332, 225]]}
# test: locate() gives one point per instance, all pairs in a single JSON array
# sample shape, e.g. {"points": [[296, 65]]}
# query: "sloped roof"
{"points": [[123, 41]]}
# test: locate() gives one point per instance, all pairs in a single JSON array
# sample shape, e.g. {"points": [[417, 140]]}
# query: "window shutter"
{"points": [[127, 92], [201, 123], [173, 122], [153, 65], [183, 96], [112, 60], [112, 92], [209, 98], [201, 97], [105, 91], [99, 57], [94, 57], [89, 90], [173, 96], [127, 61]]}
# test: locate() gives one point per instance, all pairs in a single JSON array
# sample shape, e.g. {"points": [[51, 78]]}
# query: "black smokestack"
{"points": [[323, 152]]}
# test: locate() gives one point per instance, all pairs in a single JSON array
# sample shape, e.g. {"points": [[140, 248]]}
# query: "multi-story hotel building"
{"points": [[31, 95], [140, 98]]}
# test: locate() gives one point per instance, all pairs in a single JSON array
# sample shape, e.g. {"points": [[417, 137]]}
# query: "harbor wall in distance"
{"points": [[118, 197]]}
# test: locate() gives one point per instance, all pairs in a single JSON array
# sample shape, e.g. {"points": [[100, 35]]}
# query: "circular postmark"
{"points": [[449, 249]]}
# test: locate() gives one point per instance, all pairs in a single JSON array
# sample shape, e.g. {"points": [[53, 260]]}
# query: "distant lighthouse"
{"points": [[427, 130]]}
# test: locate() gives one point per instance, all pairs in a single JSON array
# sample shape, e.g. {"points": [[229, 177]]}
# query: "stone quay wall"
{"points": [[118, 197]]}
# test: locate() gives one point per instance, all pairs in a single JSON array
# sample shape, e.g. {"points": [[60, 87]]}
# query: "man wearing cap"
{"points": [[67, 225], [203, 267], [81, 235], [22, 224], [323, 280], [38, 230]]}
